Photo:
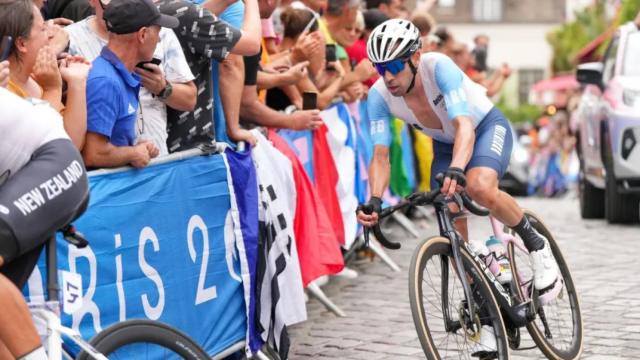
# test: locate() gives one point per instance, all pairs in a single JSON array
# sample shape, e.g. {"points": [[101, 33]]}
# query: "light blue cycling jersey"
{"points": [[449, 91]]}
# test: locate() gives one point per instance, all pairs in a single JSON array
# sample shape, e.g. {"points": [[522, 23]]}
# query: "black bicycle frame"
{"points": [[53, 288], [518, 313]]}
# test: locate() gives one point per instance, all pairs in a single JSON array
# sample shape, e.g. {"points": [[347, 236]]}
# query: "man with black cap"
{"points": [[113, 87]]}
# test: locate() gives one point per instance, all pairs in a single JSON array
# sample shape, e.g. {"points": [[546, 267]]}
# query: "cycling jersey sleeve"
{"points": [[379, 117], [449, 79]]}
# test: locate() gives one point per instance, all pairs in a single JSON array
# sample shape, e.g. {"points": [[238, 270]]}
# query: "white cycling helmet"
{"points": [[381, 46]]}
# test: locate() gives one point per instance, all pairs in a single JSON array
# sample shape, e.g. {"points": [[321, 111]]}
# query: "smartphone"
{"points": [[353, 64], [331, 55], [480, 54], [155, 61], [5, 47], [309, 100]]}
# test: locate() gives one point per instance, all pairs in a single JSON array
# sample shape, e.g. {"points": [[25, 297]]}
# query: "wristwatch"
{"points": [[166, 92]]}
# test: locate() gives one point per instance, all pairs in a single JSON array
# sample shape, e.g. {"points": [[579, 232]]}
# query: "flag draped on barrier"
{"points": [[243, 191], [279, 284], [424, 153], [341, 138], [318, 250], [398, 183], [314, 154], [162, 247]]}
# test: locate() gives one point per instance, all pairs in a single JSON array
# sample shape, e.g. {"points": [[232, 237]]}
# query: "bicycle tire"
{"points": [[135, 331], [435, 246], [575, 351]]}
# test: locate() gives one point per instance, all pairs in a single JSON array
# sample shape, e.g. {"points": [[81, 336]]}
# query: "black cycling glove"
{"points": [[373, 205], [456, 174]]}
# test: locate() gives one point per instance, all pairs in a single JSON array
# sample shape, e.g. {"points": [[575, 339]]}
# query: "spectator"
{"points": [[189, 130], [424, 22], [637, 21], [481, 40], [358, 51], [34, 69], [403, 13], [169, 84], [228, 76], [113, 86], [4, 74], [338, 15], [295, 21], [446, 42], [253, 111], [392, 8]]}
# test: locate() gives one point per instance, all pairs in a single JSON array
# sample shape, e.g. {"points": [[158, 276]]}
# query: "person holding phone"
{"points": [[296, 24], [167, 80], [113, 86], [34, 69]]}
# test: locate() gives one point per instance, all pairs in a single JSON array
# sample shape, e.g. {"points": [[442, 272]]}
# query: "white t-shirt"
{"points": [[151, 124], [25, 125]]}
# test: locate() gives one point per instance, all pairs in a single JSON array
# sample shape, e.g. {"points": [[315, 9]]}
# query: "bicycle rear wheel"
{"points": [[558, 328], [131, 339], [432, 267]]}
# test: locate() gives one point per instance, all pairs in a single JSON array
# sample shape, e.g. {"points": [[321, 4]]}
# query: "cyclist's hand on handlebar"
{"points": [[454, 181], [368, 212]]}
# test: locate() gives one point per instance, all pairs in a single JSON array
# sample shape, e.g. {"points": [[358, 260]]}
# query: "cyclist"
{"points": [[43, 187], [472, 140]]}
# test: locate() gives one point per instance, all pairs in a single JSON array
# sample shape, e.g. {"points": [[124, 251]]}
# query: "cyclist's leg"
{"points": [[488, 164], [17, 332], [46, 194], [442, 154]]}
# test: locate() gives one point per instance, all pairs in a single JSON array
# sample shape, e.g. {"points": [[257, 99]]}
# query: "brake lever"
{"points": [[367, 230], [368, 210]]}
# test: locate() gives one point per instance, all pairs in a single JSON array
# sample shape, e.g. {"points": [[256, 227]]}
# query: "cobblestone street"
{"points": [[604, 261]]}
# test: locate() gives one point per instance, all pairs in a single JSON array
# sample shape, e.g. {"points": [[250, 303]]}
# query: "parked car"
{"points": [[609, 131], [516, 179]]}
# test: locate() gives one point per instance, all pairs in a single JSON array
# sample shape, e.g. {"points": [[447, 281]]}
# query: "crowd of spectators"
{"points": [[135, 80]]}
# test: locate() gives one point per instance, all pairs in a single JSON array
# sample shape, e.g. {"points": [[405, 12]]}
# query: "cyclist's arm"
{"points": [[449, 80], [379, 169]]}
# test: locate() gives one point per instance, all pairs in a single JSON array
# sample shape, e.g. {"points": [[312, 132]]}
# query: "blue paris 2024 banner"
{"points": [[162, 247]]}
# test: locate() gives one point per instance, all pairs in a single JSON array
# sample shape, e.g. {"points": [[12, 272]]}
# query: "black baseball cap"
{"points": [[129, 16]]}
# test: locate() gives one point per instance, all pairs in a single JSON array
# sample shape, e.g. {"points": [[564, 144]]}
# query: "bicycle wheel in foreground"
{"points": [[435, 287], [145, 339], [558, 328]]}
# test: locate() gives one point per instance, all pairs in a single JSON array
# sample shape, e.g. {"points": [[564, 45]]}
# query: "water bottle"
{"points": [[483, 252], [496, 247]]}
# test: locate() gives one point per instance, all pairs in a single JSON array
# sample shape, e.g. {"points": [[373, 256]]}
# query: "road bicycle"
{"points": [[501, 310], [130, 339]]}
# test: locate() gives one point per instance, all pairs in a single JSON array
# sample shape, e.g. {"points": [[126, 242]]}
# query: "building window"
{"points": [[526, 78], [446, 3], [487, 10]]}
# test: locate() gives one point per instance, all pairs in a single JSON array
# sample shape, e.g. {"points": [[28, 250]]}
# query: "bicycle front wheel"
{"points": [[435, 289], [558, 328], [145, 339]]}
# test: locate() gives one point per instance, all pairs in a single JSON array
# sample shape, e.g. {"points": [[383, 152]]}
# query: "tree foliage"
{"points": [[571, 37]]}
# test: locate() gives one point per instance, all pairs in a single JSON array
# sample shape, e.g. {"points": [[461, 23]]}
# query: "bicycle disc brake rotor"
{"points": [[463, 318]]}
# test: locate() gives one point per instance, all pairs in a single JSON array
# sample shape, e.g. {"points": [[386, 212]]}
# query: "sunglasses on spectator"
{"points": [[393, 66]]}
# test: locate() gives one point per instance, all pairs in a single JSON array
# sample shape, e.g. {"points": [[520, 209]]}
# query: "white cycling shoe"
{"points": [[545, 267], [487, 345]]}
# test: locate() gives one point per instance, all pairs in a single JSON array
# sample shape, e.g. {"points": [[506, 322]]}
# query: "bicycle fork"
{"points": [[447, 230]]}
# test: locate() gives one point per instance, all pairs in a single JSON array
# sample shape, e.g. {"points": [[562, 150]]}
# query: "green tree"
{"points": [[628, 12], [571, 37]]}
